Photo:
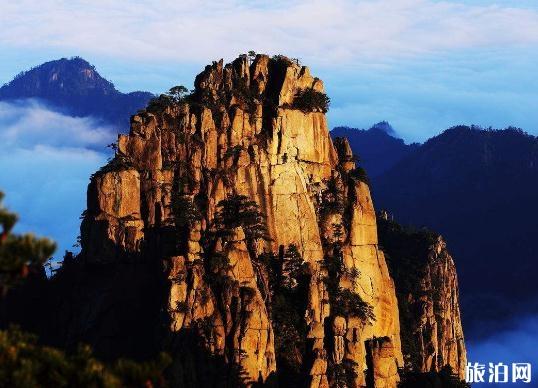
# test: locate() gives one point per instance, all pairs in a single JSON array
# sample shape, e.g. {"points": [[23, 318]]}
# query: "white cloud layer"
{"points": [[29, 123], [320, 31], [46, 159], [422, 98]]}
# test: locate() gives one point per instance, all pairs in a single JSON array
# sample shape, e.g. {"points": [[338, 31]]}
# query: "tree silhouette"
{"points": [[19, 253], [238, 210], [26, 363], [292, 266], [310, 100], [178, 93], [251, 55]]}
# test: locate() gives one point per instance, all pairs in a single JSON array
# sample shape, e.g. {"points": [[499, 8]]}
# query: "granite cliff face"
{"points": [[428, 296], [231, 232], [241, 137]]}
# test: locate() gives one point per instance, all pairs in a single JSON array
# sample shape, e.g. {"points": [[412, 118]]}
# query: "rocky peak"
{"points": [[59, 76], [74, 86], [428, 298], [231, 232], [252, 136]]}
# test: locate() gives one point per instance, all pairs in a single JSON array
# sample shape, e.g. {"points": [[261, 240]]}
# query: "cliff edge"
{"points": [[230, 231]]}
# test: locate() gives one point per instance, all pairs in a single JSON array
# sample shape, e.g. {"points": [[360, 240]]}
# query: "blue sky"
{"points": [[423, 65]]}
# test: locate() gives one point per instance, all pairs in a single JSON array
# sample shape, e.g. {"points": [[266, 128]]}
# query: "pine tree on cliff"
{"points": [[293, 267], [178, 93], [19, 253], [239, 211], [24, 362]]}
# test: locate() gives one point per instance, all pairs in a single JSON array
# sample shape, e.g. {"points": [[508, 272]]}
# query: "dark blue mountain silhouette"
{"points": [[74, 87], [377, 148], [479, 188]]}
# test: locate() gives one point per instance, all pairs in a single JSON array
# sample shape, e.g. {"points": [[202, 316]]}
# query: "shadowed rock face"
{"points": [[428, 298], [161, 255], [240, 135]]}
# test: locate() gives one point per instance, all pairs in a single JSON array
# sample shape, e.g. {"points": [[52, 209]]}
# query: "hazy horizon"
{"points": [[422, 65]]}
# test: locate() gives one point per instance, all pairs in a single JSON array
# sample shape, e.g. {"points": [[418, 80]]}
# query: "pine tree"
{"points": [[292, 267], [26, 363], [19, 253], [238, 210], [178, 93]]}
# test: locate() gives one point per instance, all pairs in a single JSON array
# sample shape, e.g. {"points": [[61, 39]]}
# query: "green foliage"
{"points": [[293, 267], [290, 330], [352, 275], [233, 152], [251, 55], [185, 211], [338, 232], [117, 163], [217, 274], [176, 95], [19, 253], [406, 250], [334, 264], [204, 295], [219, 262], [25, 363], [290, 296], [238, 210], [360, 175], [310, 100], [246, 98], [281, 60], [247, 292], [204, 326], [346, 303], [113, 146], [160, 103], [332, 198]]}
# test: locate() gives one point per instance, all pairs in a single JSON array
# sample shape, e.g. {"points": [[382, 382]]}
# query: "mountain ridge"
{"points": [[378, 147], [74, 87], [477, 187]]}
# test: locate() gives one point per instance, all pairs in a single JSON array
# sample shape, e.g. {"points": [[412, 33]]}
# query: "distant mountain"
{"points": [[74, 87], [377, 147], [479, 188]]}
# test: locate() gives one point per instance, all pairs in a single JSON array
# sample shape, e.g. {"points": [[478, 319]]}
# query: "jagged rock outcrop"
{"points": [[381, 370], [428, 296], [230, 232], [438, 327], [239, 136]]}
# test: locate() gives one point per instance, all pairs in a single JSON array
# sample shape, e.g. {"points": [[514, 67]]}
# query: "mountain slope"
{"points": [[479, 189], [230, 231], [73, 86], [376, 147]]}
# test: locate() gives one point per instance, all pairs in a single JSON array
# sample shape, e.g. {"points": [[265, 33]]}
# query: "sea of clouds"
{"points": [[46, 159]]}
